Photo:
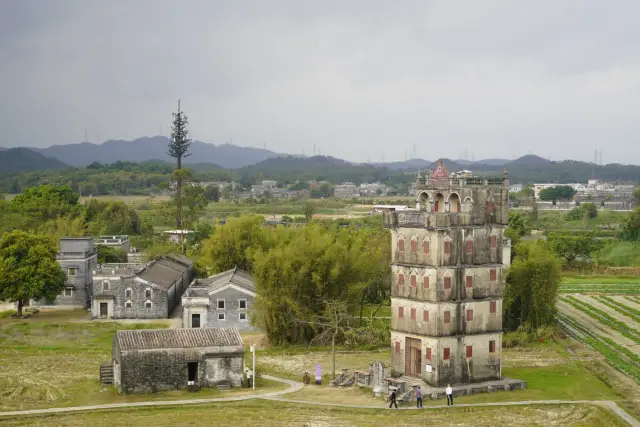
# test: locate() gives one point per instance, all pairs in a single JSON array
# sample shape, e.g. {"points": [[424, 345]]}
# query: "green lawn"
{"points": [[270, 414], [600, 280], [53, 359]]}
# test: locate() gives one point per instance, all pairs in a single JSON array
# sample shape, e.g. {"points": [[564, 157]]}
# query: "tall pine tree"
{"points": [[178, 148]]}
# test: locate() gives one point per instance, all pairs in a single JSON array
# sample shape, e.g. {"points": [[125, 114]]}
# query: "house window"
{"points": [[425, 282], [469, 351], [71, 271], [492, 346], [492, 275], [195, 320], [469, 281], [68, 292], [242, 316], [447, 317], [490, 207], [447, 248], [425, 248], [413, 280], [397, 347], [414, 246], [446, 353], [469, 315], [242, 304], [427, 354], [127, 293], [221, 304], [127, 304], [400, 312], [469, 247], [401, 245], [147, 293], [492, 307], [413, 314], [447, 282], [425, 316], [222, 316], [400, 279], [492, 241], [105, 285], [147, 305]]}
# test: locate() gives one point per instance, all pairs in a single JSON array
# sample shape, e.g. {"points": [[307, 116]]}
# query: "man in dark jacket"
{"points": [[392, 399]]}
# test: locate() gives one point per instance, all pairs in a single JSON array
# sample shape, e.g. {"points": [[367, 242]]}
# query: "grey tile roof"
{"points": [[237, 277], [180, 259], [151, 339], [163, 272]]}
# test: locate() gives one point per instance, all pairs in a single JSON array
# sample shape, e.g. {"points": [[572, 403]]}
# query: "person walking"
{"points": [[248, 371], [449, 392], [392, 399], [418, 398]]}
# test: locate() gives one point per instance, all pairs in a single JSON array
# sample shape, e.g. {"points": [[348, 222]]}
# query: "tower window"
{"points": [[401, 245], [469, 351], [400, 279], [425, 282], [414, 246], [425, 316], [413, 280], [397, 347], [492, 275], [447, 317], [492, 307], [400, 312], [425, 248], [469, 315], [447, 248], [490, 207], [469, 247], [493, 241], [427, 354], [446, 353], [492, 346], [413, 314], [447, 282], [469, 281]]}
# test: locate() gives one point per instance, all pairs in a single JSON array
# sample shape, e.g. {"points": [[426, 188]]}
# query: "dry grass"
{"points": [[271, 414]]}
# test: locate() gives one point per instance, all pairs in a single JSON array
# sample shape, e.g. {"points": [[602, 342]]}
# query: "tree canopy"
{"points": [[557, 192], [29, 268], [574, 246]]}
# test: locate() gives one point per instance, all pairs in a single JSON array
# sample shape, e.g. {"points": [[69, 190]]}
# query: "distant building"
{"points": [[223, 300], [149, 361], [346, 190], [134, 291], [389, 208], [373, 189], [77, 258], [176, 236], [118, 242], [515, 188]]}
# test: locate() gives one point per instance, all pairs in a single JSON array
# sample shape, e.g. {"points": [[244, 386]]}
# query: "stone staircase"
{"points": [[106, 374]]}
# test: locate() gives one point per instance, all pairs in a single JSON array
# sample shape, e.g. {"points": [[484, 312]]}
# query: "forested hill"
{"points": [[24, 160]]}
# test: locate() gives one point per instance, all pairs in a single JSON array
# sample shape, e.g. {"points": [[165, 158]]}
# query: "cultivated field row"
{"points": [[630, 289]]}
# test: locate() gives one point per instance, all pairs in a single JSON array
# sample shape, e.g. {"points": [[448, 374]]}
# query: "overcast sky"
{"points": [[362, 80]]}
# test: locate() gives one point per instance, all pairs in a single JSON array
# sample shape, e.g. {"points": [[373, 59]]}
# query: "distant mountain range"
{"points": [[20, 159], [148, 148]]}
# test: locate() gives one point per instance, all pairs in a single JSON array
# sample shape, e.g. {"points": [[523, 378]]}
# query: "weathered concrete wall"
{"points": [[232, 311], [150, 371], [117, 292]]}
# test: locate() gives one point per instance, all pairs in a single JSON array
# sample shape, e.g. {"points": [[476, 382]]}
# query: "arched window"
{"points": [[469, 246], [414, 245], [490, 207], [426, 246], [454, 203], [148, 294], [413, 280], [400, 244], [400, 278], [438, 203]]}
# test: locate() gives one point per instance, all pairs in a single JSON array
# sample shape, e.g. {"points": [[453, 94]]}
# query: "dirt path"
{"points": [[596, 326], [610, 311]]}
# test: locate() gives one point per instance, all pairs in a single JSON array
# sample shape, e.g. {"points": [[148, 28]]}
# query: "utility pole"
{"points": [[253, 353]]}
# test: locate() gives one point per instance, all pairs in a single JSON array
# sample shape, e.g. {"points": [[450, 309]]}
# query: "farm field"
{"points": [[608, 322], [632, 289]]}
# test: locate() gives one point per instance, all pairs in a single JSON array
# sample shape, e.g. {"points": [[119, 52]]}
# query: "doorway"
{"points": [[195, 320], [413, 358], [192, 371], [104, 310]]}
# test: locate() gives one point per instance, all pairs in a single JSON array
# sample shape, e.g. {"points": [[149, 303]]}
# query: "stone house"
{"points": [[118, 242], [77, 258], [447, 279], [149, 361], [135, 291], [223, 300]]}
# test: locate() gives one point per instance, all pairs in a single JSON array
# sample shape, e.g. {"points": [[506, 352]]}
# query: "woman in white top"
{"points": [[449, 392]]}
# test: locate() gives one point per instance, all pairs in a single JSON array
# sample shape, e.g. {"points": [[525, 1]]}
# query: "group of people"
{"points": [[448, 391]]}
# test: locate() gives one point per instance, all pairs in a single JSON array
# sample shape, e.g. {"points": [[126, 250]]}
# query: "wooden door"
{"points": [[413, 357], [104, 310]]}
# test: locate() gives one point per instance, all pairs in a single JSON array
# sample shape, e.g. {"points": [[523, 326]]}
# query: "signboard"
{"points": [[428, 368]]}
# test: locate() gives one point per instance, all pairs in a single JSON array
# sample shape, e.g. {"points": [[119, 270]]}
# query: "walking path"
{"points": [[296, 386]]}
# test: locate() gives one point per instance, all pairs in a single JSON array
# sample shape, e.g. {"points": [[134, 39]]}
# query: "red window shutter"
{"points": [[469, 315], [490, 207], [397, 347], [400, 279], [425, 316], [437, 205], [413, 280], [492, 274], [400, 312], [492, 306], [469, 352], [401, 245], [414, 246], [425, 282], [469, 281], [446, 354], [469, 247], [492, 239], [427, 354], [447, 317], [492, 346], [413, 314], [447, 282], [425, 248], [447, 248]]}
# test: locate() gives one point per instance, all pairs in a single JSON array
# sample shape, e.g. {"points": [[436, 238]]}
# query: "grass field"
{"points": [[271, 414], [53, 359]]}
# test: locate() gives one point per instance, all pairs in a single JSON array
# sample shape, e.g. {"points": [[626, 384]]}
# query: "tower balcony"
{"points": [[422, 219]]}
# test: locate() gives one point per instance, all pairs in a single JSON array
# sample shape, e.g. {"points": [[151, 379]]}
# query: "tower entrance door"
{"points": [[413, 357]]}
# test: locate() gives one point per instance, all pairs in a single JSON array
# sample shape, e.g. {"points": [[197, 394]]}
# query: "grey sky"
{"points": [[360, 79]]}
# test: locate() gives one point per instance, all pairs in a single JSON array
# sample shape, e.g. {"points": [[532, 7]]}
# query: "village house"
{"points": [[149, 361], [222, 300], [135, 291], [117, 242]]}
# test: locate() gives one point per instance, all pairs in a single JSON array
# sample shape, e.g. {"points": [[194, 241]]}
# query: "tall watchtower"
{"points": [[447, 286]]}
